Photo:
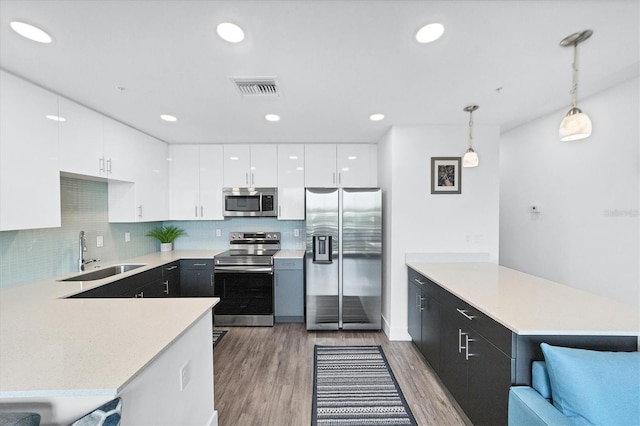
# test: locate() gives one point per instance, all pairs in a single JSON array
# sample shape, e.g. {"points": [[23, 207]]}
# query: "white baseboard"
{"points": [[213, 421], [395, 334]]}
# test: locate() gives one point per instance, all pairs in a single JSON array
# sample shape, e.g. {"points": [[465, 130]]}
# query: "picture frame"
{"points": [[446, 175]]}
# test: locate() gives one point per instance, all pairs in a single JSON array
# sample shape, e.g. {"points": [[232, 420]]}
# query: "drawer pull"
{"points": [[199, 264], [419, 282], [171, 268], [466, 315]]}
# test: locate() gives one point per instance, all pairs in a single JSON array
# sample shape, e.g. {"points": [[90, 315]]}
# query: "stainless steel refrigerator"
{"points": [[343, 258]]}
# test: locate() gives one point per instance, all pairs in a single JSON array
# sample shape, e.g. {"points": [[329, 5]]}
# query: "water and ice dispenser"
{"points": [[322, 249]]}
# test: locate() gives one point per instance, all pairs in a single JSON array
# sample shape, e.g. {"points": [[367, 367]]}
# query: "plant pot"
{"points": [[166, 246]]}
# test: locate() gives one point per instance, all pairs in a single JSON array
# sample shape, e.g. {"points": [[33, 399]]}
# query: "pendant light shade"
{"points": [[470, 158], [576, 125]]}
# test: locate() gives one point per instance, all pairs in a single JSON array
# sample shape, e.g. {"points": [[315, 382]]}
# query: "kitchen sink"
{"points": [[109, 271]]}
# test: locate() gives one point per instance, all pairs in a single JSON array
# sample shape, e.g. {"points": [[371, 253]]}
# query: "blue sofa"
{"points": [[579, 387]]}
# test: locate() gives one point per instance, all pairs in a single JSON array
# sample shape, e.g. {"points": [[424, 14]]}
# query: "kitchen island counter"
{"points": [[530, 305], [56, 347]]}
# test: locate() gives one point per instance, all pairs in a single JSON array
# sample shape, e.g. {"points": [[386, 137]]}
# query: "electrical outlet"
{"points": [[100, 241], [296, 232], [218, 232], [185, 375], [127, 237]]}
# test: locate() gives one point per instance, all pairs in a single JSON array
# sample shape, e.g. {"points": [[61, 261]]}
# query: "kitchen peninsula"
{"points": [[66, 356], [480, 325]]}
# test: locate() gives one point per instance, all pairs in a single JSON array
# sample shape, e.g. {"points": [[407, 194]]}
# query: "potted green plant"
{"points": [[166, 235]]}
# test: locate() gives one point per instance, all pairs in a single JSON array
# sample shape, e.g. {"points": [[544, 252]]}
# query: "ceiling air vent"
{"points": [[257, 87]]}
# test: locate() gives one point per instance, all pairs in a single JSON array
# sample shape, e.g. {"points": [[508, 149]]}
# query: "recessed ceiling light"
{"points": [[376, 117], [430, 33], [230, 32], [167, 117], [55, 118], [31, 32], [293, 157], [272, 117]]}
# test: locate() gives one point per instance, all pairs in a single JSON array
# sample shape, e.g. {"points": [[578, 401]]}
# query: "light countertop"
{"points": [[530, 305], [53, 346]]}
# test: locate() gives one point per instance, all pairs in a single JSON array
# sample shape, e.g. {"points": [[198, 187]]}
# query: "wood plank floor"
{"points": [[264, 376]]}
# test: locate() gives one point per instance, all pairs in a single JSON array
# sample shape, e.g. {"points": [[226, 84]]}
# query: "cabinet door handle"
{"points": [[166, 287], [279, 210], [466, 315], [246, 178], [109, 165], [171, 268], [201, 211], [253, 179], [140, 295], [460, 334], [211, 280], [339, 178], [140, 210], [196, 212], [334, 178], [419, 282], [101, 164], [467, 340]]}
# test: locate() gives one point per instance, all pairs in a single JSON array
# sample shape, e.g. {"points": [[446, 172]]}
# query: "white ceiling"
{"points": [[336, 62]]}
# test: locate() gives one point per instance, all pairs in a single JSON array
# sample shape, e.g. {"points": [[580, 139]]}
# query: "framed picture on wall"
{"points": [[446, 175]]}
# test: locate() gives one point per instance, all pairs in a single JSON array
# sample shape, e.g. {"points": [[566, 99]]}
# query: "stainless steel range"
{"points": [[243, 279]]}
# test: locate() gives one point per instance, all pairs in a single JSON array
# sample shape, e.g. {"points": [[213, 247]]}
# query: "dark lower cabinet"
{"points": [[196, 278], [424, 320], [477, 373]]}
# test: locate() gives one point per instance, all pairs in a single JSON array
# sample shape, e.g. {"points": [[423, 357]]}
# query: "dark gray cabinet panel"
{"points": [[196, 277], [424, 318], [289, 290], [126, 287], [469, 351], [171, 279]]}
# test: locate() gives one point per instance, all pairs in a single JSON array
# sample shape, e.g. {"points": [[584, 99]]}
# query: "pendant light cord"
{"points": [[470, 128], [574, 88]]}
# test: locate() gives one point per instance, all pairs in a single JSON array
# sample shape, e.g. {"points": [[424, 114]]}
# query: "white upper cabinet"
{"points": [[29, 165], [247, 166], [291, 165], [291, 182], [211, 182], [320, 166], [81, 140], [143, 196], [342, 165], [119, 143], [196, 181], [94, 145], [357, 165]]}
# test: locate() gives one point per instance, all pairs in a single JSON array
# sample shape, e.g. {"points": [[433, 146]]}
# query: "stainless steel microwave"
{"points": [[262, 202]]}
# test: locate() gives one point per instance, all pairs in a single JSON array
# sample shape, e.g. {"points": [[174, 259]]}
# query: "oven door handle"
{"points": [[243, 269]]}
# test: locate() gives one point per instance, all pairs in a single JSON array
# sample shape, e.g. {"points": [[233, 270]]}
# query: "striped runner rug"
{"points": [[354, 385]]}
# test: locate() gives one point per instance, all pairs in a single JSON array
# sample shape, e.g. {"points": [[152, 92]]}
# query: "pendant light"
{"points": [[470, 158], [576, 125]]}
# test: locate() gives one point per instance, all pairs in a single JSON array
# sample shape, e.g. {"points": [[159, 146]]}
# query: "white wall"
{"points": [[586, 234], [415, 221]]}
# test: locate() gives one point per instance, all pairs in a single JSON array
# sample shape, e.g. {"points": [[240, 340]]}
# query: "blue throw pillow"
{"points": [[106, 415], [594, 387]]}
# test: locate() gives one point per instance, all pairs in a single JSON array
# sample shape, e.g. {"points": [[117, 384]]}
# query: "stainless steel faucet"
{"points": [[82, 246]]}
